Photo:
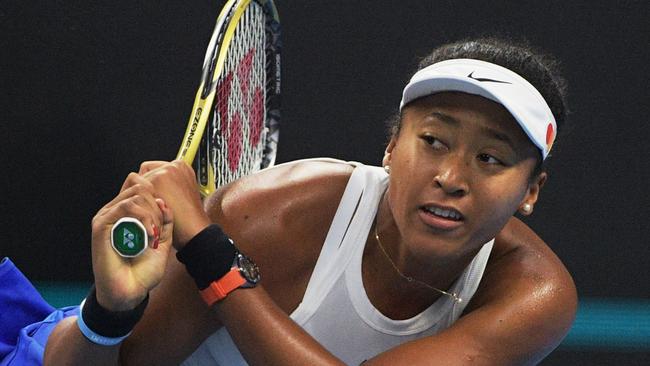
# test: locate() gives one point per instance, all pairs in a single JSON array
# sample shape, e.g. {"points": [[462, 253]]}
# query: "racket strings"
{"points": [[238, 133]]}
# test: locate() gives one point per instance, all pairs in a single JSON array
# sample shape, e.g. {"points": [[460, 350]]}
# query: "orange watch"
{"points": [[244, 273]]}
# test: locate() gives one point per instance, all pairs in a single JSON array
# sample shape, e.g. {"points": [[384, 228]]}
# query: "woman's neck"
{"points": [[398, 283]]}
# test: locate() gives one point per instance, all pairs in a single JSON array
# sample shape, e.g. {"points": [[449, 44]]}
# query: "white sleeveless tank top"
{"points": [[335, 309]]}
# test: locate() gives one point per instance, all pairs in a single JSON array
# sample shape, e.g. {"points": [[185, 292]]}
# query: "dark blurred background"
{"points": [[91, 89]]}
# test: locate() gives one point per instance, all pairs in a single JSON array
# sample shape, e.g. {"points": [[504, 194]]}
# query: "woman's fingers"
{"points": [[167, 225], [134, 184], [148, 166], [142, 207]]}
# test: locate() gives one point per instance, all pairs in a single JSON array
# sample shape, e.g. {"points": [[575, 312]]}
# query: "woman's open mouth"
{"points": [[443, 218]]}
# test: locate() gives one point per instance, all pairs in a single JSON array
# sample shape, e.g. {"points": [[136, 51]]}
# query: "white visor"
{"points": [[493, 82]]}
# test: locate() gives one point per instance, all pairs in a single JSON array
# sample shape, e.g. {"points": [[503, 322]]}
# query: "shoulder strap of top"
{"points": [[335, 256], [468, 282]]}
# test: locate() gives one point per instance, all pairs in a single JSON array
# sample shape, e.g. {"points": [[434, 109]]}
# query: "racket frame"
{"points": [[195, 136]]}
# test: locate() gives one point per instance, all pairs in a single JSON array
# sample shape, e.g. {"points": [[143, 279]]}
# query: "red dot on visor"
{"points": [[549, 134]]}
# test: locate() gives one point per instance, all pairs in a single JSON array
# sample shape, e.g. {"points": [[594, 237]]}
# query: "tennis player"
{"points": [[418, 262]]}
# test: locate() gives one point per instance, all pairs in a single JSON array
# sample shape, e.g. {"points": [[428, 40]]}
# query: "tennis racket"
{"points": [[234, 126]]}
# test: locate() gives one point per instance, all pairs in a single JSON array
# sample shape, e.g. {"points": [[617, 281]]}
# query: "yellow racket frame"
{"points": [[202, 106]]}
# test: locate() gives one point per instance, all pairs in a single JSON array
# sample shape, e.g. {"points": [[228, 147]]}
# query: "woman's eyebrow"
{"points": [[444, 118], [498, 135], [490, 132]]}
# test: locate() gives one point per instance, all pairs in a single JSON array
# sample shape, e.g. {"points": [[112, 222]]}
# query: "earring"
{"points": [[387, 169], [527, 208]]}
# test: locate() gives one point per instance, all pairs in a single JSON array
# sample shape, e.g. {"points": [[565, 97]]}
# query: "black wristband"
{"points": [[208, 256], [108, 323]]}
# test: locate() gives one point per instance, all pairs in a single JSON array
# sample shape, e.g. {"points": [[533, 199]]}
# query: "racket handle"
{"points": [[129, 237]]}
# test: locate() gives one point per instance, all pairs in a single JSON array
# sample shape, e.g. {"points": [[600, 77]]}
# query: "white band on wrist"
{"points": [[94, 337]]}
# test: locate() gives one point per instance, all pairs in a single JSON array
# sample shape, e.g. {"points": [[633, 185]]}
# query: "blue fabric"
{"points": [[23, 332], [31, 340], [20, 305]]}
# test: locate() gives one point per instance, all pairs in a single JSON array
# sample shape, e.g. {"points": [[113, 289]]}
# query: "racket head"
{"points": [[241, 74]]}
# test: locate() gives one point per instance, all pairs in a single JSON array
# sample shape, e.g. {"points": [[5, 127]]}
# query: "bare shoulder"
{"points": [[519, 254], [286, 187], [279, 200], [528, 293]]}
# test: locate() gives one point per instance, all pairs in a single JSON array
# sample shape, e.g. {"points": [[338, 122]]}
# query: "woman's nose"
{"points": [[453, 176]]}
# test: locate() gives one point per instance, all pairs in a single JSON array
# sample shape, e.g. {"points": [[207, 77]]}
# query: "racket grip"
{"points": [[129, 237]]}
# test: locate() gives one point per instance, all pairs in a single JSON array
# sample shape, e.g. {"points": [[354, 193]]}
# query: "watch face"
{"points": [[248, 269]]}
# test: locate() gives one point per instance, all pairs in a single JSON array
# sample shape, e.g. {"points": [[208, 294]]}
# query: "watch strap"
{"points": [[220, 288]]}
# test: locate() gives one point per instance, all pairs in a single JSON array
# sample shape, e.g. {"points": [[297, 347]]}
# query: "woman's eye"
{"points": [[489, 159], [434, 142]]}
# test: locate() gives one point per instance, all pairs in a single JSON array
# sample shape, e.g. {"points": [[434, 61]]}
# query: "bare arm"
{"points": [[67, 346]]}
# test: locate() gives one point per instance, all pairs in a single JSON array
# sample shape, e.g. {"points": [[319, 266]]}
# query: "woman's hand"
{"points": [[122, 283], [175, 182], [150, 196]]}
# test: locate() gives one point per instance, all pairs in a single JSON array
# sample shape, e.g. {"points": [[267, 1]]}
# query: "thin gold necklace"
{"points": [[454, 296]]}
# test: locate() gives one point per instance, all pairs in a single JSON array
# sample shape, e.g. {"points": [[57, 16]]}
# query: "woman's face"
{"points": [[459, 169]]}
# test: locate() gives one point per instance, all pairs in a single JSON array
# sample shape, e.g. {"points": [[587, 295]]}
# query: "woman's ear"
{"points": [[387, 154], [534, 187]]}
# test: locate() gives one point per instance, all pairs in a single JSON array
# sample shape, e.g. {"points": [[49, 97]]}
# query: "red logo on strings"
{"points": [[252, 110]]}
